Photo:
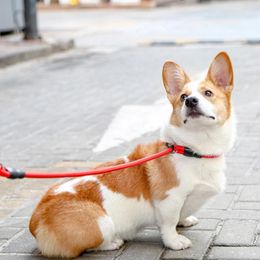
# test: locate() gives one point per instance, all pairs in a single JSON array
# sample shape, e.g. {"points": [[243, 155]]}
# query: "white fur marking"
{"points": [[205, 106], [107, 229], [125, 158], [69, 186]]}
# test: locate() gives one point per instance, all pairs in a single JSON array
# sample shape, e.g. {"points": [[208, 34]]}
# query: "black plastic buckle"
{"points": [[189, 153], [15, 174]]}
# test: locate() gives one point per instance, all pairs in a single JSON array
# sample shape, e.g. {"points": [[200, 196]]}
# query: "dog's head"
{"points": [[200, 103]]}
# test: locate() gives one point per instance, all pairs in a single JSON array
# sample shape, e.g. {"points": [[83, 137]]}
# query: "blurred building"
{"points": [[11, 16], [141, 3]]}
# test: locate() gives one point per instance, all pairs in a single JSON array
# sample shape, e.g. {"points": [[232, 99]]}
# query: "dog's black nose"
{"points": [[191, 102]]}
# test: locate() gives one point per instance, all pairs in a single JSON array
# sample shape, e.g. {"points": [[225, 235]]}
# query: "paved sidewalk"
{"points": [[53, 118], [13, 49]]}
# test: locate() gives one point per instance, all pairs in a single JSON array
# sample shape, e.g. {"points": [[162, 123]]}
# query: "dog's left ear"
{"points": [[221, 72], [174, 78]]}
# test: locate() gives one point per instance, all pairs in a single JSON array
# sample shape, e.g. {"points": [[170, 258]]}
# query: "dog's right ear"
{"points": [[174, 78]]}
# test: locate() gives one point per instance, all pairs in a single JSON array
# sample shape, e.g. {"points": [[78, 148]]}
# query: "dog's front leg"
{"points": [[168, 214]]}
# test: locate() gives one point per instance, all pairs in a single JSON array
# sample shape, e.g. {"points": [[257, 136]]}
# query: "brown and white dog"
{"points": [[100, 212]]}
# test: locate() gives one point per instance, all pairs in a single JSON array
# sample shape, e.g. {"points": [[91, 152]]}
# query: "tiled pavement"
{"points": [[54, 111]]}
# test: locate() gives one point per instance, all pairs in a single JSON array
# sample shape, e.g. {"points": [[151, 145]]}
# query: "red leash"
{"points": [[18, 174]]}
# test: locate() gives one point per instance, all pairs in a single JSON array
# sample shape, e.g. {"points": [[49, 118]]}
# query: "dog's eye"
{"points": [[208, 93], [183, 97]]}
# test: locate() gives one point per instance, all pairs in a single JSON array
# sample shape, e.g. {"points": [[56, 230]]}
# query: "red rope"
{"points": [[7, 173]]}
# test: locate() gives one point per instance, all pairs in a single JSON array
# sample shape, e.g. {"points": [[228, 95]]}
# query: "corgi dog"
{"points": [[100, 212]]}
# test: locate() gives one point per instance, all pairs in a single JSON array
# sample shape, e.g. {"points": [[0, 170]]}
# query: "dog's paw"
{"points": [[188, 222], [114, 245], [180, 243], [118, 242]]}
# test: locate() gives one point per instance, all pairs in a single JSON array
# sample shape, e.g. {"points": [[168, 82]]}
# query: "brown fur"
{"points": [[150, 180], [174, 75], [220, 100], [175, 118], [222, 94], [70, 218], [132, 183]]}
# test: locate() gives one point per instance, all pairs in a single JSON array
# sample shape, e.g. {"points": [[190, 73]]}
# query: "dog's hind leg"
{"points": [[111, 241]]}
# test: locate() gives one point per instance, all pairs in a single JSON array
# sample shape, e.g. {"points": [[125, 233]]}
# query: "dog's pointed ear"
{"points": [[220, 72], [174, 78]]}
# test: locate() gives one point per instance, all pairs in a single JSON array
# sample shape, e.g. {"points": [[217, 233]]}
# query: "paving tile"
{"points": [[25, 211], [200, 243], [250, 149], [247, 205], [12, 203], [237, 170], [247, 180], [228, 214], [233, 161], [24, 243], [109, 253], [2, 242], [257, 242], [144, 251], [148, 235], [236, 233], [21, 222], [204, 224], [8, 186], [27, 194], [258, 228], [42, 184], [100, 257], [231, 189], [4, 213], [222, 201], [234, 253], [250, 193], [22, 257], [7, 233]]}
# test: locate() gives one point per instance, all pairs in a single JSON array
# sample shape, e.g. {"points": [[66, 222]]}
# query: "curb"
{"points": [[39, 51], [198, 42]]}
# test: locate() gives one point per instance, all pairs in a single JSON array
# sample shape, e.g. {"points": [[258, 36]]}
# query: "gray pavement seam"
{"points": [[11, 239]]}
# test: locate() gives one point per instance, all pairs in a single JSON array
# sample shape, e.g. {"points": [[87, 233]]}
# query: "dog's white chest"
{"points": [[199, 180], [193, 172]]}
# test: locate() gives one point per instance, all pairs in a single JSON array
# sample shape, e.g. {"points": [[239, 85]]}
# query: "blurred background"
{"points": [[80, 83]]}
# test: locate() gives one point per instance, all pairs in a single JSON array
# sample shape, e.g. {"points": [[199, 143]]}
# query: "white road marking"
{"points": [[132, 121]]}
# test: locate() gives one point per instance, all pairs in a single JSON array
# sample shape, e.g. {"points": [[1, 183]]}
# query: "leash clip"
{"points": [[168, 145]]}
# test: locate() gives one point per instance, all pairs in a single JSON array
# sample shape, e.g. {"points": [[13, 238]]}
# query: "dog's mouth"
{"points": [[195, 113]]}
